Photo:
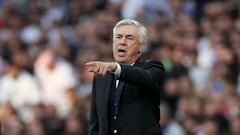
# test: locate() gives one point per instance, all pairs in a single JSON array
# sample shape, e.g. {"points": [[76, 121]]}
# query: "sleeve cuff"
{"points": [[117, 72]]}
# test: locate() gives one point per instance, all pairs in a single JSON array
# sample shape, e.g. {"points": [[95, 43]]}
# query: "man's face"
{"points": [[126, 45]]}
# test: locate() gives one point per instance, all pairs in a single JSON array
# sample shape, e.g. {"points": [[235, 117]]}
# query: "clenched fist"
{"points": [[101, 68]]}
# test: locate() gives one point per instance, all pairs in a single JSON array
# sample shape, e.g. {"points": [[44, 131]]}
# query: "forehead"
{"points": [[127, 30]]}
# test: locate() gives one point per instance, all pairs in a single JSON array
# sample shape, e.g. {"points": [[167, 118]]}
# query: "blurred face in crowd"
{"points": [[21, 59], [47, 59], [235, 124], [126, 44], [209, 128]]}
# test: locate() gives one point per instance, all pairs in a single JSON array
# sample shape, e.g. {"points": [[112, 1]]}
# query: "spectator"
{"points": [[18, 86], [168, 125], [50, 71]]}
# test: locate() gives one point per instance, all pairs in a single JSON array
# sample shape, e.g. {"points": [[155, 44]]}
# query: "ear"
{"points": [[141, 48]]}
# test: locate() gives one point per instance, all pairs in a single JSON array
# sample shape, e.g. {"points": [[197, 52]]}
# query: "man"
{"points": [[126, 93]]}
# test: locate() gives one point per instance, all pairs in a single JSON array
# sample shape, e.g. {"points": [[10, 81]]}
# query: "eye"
{"points": [[130, 38], [118, 37]]}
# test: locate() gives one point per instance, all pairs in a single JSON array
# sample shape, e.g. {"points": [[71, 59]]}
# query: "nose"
{"points": [[122, 41]]}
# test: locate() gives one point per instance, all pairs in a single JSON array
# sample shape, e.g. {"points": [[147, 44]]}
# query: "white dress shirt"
{"points": [[117, 72]]}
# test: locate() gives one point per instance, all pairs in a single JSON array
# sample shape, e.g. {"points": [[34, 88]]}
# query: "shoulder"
{"points": [[153, 63]]}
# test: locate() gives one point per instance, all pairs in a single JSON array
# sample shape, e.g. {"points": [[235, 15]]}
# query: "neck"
{"points": [[132, 60]]}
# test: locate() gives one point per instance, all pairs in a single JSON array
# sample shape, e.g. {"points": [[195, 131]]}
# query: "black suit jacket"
{"points": [[139, 99]]}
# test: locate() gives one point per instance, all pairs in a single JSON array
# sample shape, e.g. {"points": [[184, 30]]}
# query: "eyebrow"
{"points": [[125, 35]]}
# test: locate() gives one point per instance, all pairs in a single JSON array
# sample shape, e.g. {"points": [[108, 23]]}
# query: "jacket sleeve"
{"points": [[150, 75], [94, 125]]}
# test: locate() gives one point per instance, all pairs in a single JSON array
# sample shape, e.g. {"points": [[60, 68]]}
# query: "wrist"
{"points": [[114, 66]]}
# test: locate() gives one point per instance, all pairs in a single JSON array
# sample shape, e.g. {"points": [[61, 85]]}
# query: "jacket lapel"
{"points": [[104, 91], [118, 94], [108, 80]]}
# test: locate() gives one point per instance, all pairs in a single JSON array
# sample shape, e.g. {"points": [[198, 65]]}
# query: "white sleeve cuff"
{"points": [[117, 72]]}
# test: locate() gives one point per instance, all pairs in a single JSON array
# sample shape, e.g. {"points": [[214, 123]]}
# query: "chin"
{"points": [[120, 60]]}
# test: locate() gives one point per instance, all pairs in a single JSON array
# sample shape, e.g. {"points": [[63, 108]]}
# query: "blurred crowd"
{"points": [[45, 88]]}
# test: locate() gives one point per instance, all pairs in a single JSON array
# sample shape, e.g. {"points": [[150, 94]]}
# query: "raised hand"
{"points": [[101, 68]]}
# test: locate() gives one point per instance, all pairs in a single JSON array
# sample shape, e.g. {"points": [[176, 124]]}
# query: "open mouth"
{"points": [[121, 50]]}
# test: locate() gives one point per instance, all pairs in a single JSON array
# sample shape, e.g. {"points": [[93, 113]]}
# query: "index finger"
{"points": [[91, 63]]}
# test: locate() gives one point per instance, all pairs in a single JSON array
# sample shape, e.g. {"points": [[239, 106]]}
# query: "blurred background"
{"points": [[45, 88]]}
